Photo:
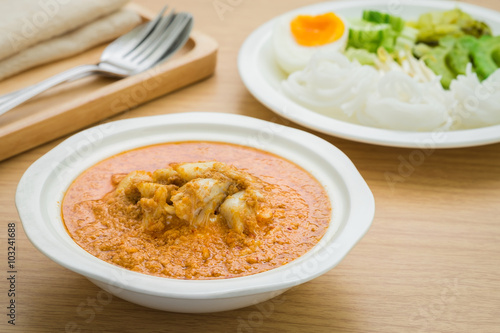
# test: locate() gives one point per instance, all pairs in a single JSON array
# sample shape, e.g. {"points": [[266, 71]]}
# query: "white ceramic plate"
{"points": [[262, 76], [42, 188]]}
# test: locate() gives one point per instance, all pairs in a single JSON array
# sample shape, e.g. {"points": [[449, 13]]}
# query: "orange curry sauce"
{"points": [[301, 215]]}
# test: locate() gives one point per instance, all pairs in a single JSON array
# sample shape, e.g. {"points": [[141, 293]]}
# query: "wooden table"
{"points": [[430, 262]]}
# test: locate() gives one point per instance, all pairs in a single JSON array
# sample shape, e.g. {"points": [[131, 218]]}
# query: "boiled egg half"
{"points": [[297, 37]]}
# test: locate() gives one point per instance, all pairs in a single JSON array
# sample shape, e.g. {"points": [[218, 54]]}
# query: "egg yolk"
{"points": [[317, 30]]}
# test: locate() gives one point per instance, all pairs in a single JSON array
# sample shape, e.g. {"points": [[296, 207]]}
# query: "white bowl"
{"points": [[42, 188]]}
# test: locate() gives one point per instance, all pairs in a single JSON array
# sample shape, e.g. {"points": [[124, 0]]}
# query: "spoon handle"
{"points": [[6, 97], [20, 96]]}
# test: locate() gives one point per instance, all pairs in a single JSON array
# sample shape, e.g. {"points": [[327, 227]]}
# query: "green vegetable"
{"points": [[369, 36], [485, 55], [496, 56], [407, 39], [459, 55], [363, 56], [454, 23], [397, 24], [378, 29], [448, 41], [436, 60], [421, 50], [451, 57]]}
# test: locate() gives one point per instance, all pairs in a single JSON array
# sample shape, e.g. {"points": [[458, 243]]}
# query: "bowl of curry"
{"points": [[195, 212]]}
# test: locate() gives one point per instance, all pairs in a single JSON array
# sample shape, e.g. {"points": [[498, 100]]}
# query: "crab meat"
{"points": [[194, 193], [242, 210], [128, 186], [166, 176], [197, 201], [190, 171]]}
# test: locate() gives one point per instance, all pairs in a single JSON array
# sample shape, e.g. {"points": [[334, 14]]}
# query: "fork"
{"points": [[142, 48]]}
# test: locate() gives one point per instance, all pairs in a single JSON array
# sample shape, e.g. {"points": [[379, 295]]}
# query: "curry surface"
{"points": [[301, 216]]}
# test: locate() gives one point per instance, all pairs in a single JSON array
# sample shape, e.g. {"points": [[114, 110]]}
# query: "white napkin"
{"points": [[74, 42], [33, 32]]}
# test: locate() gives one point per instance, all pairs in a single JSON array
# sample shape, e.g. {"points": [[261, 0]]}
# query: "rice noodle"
{"points": [[332, 84], [339, 88], [478, 103], [402, 103]]}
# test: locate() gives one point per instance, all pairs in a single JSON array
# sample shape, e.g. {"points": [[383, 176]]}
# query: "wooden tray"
{"points": [[76, 105]]}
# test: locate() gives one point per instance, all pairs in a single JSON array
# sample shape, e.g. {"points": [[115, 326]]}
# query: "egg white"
{"points": [[290, 55]]}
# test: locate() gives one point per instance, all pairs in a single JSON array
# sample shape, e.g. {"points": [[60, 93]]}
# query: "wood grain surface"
{"points": [[430, 262]]}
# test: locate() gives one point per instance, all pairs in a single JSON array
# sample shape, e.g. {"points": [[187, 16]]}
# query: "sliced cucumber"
{"points": [[370, 36], [363, 56], [396, 23]]}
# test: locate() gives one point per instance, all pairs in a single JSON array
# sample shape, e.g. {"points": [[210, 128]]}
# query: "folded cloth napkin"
{"points": [[34, 32], [71, 43]]}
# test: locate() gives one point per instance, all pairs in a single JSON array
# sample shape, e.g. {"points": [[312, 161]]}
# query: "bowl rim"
{"points": [[249, 68], [41, 178]]}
